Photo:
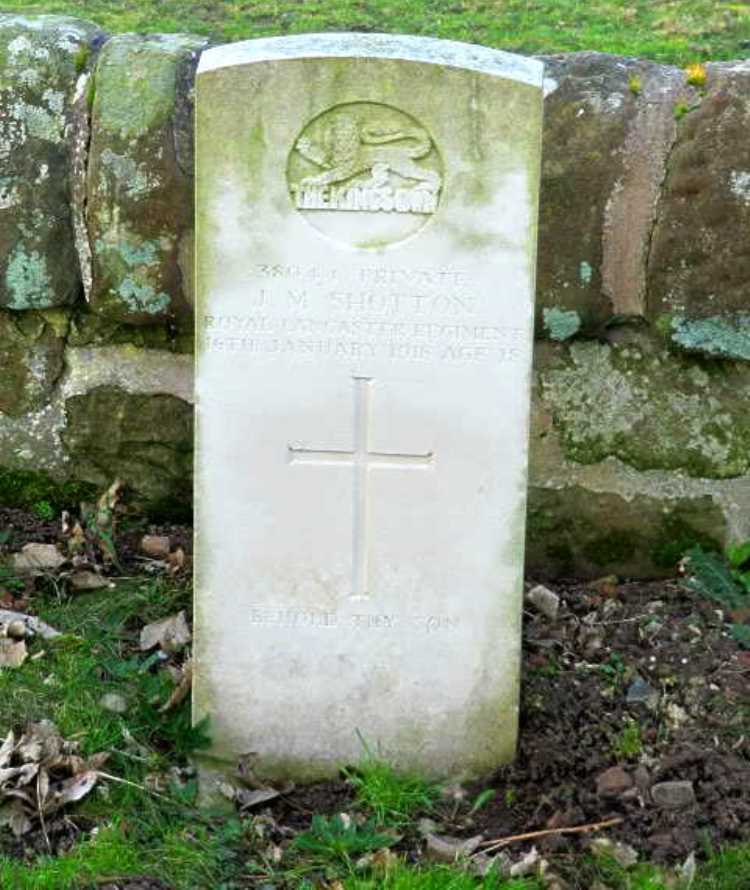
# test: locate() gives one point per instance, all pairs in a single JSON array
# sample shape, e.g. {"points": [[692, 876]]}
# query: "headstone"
{"points": [[366, 226]]}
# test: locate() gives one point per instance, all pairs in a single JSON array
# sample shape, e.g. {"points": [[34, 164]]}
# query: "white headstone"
{"points": [[366, 228]]}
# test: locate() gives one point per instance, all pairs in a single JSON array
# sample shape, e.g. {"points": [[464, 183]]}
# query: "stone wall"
{"points": [[641, 435]]}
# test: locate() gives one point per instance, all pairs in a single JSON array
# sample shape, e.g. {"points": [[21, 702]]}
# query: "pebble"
{"points": [[640, 692], [156, 546], [114, 702], [613, 782], [642, 779], [673, 795], [544, 600]]}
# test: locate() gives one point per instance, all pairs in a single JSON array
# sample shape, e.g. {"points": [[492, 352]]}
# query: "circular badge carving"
{"points": [[365, 174]]}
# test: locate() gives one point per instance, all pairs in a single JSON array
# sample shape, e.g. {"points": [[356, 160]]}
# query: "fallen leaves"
{"points": [[183, 677], [171, 634], [40, 774], [160, 556]]}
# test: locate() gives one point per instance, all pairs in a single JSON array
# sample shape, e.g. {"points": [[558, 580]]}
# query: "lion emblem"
{"points": [[351, 149]]}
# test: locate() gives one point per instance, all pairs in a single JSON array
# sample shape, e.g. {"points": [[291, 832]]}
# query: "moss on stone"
{"points": [[574, 531], [31, 358], [145, 440], [675, 536], [25, 488], [136, 79], [91, 329], [612, 547]]}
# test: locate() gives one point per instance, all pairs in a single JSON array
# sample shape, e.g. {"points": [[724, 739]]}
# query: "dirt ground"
{"points": [[590, 751]]}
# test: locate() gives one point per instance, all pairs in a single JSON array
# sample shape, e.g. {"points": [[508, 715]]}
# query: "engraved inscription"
{"points": [[361, 458], [370, 159], [324, 619]]}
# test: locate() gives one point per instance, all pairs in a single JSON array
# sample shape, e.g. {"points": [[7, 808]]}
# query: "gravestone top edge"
{"points": [[432, 50]]}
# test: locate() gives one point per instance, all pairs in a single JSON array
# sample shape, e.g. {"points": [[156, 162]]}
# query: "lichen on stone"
{"points": [[142, 297], [718, 336], [650, 410], [561, 324], [27, 279]]}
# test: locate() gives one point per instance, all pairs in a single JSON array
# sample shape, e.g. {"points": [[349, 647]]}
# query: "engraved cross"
{"points": [[361, 458]]}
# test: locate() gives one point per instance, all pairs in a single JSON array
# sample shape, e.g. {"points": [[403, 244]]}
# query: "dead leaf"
{"points": [[37, 559], [6, 749], [13, 653], [181, 690], [87, 580], [69, 791], [530, 863], [73, 531], [441, 848], [104, 520], [170, 634], [156, 546], [247, 798], [19, 822], [176, 561]]}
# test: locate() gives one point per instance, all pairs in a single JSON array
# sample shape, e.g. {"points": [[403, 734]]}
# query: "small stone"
{"points": [[16, 630], [156, 546], [86, 580], [545, 601], [642, 779], [640, 692], [114, 702], [673, 795], [613, 782], [37, 559]]}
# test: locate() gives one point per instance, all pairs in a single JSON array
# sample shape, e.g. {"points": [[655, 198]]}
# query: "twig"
{"points": [[497, 843], [40, 808], [143, 788]]}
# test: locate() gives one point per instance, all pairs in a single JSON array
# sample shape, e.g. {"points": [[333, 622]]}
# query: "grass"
{"points": [[677, 31], [393, 798], [437, 878]]}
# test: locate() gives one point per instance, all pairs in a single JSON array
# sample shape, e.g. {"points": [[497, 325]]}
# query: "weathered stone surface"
{"points": [[32, 441], [577, 531], [31, 358], [609, 126], [43, 62], [631, 399], [699, 269], [140, 205], [145, 440]]}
